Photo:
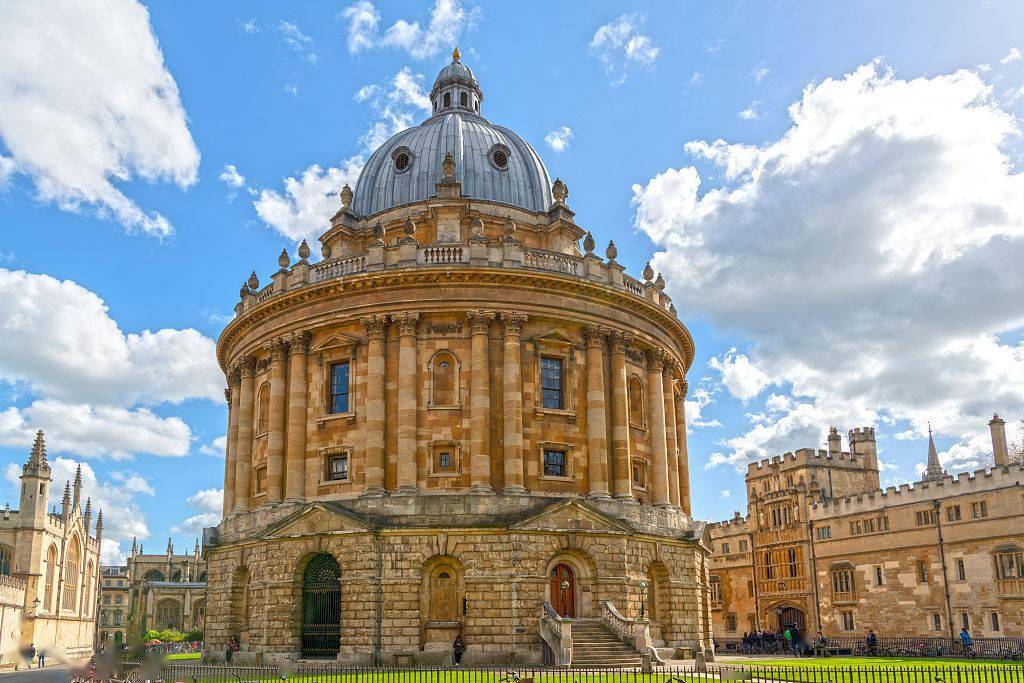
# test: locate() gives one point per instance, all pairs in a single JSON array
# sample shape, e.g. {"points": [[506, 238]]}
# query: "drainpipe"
{"points": [[814, 574], [379, 607], [945, 579]]}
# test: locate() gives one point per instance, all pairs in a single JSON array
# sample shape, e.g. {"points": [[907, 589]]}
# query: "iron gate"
{"points": [[321, 607]]}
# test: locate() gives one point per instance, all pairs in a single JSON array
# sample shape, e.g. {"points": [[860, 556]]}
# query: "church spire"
{"points": [[934, 471]]}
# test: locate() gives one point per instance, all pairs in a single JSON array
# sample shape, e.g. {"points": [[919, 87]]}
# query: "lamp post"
{"points": [[562, 588], [643, 599]]}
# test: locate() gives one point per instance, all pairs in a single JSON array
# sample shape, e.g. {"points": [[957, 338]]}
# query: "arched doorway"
{"points": [[321, 607], [563, 590], [789, 616]]}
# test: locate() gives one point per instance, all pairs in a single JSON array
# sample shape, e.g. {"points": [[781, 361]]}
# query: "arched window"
{"points": [[51, 569], [263, 416], [961, 572], [202, 577], [447, 100], [153, 575], [965, 621], [995, 621], [443, 381], [6, 555], [168, 614], [464, 99], [199, 614], [922, 572], [71, 569], [636, 401], [176, 576]]}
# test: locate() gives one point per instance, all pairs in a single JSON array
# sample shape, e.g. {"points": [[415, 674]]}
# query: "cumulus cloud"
{"points": [[231, 177], [208, 502], [750, 113], [215, 448], [558, 139], [871, 254], [740, 376], [126, 123], [620, 46], [448, 20]]}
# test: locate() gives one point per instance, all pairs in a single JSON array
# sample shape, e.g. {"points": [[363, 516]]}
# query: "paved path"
{"points": [[49, 674]]}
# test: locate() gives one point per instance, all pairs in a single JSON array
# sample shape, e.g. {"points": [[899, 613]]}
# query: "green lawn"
{"points": [[185, 655], [884, 670]]}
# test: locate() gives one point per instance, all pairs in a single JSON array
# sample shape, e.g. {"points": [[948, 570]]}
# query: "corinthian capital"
{"points": [[407, 323], [619, 341], [299, 341], [234, 375], [278, 348], [247, 365], [684, 387], [480, 321], [655, 359], [595, 336], [513, 322], [376, 326]]}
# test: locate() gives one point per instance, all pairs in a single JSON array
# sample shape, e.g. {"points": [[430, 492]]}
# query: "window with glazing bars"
{"points": [[552, 395], [339, 387], [554, 463]]}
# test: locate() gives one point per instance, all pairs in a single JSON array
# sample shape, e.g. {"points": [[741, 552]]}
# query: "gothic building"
{"points": [[166, 591], [49, 566], [823, 545], [457, 422]]}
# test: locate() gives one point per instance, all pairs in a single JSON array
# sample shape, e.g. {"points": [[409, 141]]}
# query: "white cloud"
{"points": [[297, 41], [86, 102], [215, 448], [448, 20], [558, 139], [620, 45], [196, 523], [741, 377], [209, 503], [251, 27], [697, 78], [230, 176], [1013, 55], [760, 72], [698, 400], [291, 89], [725, 494], [750, 113], [871, 253], [7, 167], [207, 500]]}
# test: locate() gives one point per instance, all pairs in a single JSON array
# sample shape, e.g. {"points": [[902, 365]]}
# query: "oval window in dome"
{"points": [[498, 156], [402, 159], [402, 162]]}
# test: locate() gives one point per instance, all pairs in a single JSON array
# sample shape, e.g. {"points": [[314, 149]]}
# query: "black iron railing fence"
{"points": [[982, 648], [928, 673]]}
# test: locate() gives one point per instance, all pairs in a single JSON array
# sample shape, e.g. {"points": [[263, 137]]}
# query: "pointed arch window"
{"points": [[71, 569], [50, 574]]}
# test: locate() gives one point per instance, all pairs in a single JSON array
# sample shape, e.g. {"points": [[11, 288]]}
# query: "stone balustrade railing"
{"points": [[635, 633], [556, 632], [407, 253]]}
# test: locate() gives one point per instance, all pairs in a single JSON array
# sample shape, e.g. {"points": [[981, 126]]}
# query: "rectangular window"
{"points": [[750, 588], [339, 387], [824, 533], [725, 548], [847, 620], [337, 467], [551, 383], [926, 517], [716, 591], [743, 546], [554, 463], [842, 585], [639, 475], [261, 479], [1011, 565], [444, 459], [879, 576], [883, 523], [979, 509], [953, 513], [936, 622]]}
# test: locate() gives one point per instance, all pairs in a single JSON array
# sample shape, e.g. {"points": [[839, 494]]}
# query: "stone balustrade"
{"points": [[480, 253]]}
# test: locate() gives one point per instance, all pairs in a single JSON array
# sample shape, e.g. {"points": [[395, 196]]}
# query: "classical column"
{"points": [[295, 449], [407, 323], [656, 426], [597, 428], [479, 403], [671, 452], [231, 451], [275, 428], [684, 465], [376, 328], [243, 453], [512, 402], [623, 487]]}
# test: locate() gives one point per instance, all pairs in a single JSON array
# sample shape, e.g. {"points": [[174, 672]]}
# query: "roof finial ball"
{"points": [[559, 191], [588, 243], [648, 272], [283, 260], [346, 196], [304, 250], [448, 166], [254, 282], [455, 54]]}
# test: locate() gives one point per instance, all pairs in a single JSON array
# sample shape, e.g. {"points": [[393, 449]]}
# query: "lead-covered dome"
{"points": [[492, 162]]}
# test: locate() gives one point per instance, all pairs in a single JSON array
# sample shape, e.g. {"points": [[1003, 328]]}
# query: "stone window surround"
{"points": [[570, 460], [456, 468], [837, 573], [644, 473], [262, 385], [338, 349], [638, 377], [326, 454], [556, 346], [456, 381]]}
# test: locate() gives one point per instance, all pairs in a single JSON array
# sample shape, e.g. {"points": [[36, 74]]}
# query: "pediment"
{"points": [[316, 518], [571, 515], [554, 337], [339, 340]]}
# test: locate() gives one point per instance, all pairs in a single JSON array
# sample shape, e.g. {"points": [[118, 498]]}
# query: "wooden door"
{"points": [[563, 599]]}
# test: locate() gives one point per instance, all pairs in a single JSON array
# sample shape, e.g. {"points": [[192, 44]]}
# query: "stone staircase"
{"points": [[595, 646]]}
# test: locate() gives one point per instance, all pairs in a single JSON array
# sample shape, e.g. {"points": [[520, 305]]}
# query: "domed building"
{"points": [[456, 423]]}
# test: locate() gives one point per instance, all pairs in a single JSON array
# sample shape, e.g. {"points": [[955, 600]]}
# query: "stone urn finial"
{"points": [[588, 243], [672, 309], [448, 166], [304, 250], [346, 196], [659, 284], [326, 251], [560, 191], [612, 251], [511, 230], [244, 291], [378, 232], [648, 272], [254, 282], [409, 227], [477, 226], [283, 260]]}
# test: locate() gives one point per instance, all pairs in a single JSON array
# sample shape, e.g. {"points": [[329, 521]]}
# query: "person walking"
{"points": [[42, 658], [787, 635], [872, 642], [458, 648], [965, 639]]}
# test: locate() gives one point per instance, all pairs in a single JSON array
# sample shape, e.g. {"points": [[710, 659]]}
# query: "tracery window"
{"points": [[842, 585], [961, 571], [168, 614], [6, 555], [70, 597]]}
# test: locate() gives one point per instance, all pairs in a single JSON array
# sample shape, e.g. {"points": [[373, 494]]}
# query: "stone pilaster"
{"points": [[276, 425], [671, 451], [512, 397], [622, 474], [407, 404], [243, 456], [480, 402], [684, 464], [656, 426], [231, 450], [295, 449], [597, 428], [376, 330]]}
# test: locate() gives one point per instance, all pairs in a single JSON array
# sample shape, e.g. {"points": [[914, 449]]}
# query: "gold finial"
{"points": [[455, 54]]}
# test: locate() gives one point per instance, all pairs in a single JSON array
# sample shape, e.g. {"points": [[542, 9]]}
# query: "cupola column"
{"points": [[276, 423], [670, 436], [407, 405], [684, 460], [376, 330], [295, 451], [234, 392], [597, 428], [512, 402], [480, 402], [623, 487], [656, 426], [243, 457]]}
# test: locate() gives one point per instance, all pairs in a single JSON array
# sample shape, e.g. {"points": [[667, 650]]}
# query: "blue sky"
{"points": [[847, 252]]}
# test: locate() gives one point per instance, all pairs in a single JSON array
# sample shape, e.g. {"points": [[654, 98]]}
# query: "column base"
{"points": [[407, 490], [513, 490], [481, 490], [663, 506], [372, 492], [599, 495], [625, 498]]}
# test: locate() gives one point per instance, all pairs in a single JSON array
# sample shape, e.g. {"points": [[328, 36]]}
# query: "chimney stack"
{"points": [[999, 450]]}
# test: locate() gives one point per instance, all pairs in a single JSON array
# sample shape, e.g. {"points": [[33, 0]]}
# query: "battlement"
{"points": [[737, 525], [833, 457], [861, 434], [920, 492], [12, 591]]}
